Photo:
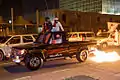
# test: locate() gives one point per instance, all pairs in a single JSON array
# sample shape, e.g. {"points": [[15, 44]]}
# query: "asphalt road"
{"points": [[65, 68]]}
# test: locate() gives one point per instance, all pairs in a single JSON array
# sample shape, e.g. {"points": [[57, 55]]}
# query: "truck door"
{"points": [[56, 45]]}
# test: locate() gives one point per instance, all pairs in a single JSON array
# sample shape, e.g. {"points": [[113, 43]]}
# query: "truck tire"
{"points": [[1, 55], [34, 62], [82, 55]]}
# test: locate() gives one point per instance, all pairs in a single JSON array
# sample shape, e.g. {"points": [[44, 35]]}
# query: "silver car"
{"points": [[7, 42]]}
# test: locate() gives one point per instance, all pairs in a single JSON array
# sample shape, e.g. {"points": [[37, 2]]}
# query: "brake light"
{"points": [[83, 39]]}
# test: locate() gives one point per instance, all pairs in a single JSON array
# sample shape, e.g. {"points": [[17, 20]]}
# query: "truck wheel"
{"points": [[34, 62], [1, 56], [82, 55]]}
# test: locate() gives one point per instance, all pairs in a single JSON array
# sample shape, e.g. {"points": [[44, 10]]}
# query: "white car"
{"points": [[80, 36], [7, 42]]}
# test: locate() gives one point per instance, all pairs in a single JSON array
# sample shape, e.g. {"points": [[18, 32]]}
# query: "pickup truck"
{"points": [[54, 45]]}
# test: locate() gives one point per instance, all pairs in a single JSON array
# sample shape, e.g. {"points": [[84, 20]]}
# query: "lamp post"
{"points": [[37, 19], [12, 19]]}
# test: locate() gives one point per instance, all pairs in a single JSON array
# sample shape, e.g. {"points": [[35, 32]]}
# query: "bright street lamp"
{"points": [[10, 21]]}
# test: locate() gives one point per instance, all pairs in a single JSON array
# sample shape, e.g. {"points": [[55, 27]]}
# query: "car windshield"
{"points": [[103, 35], [4, 39]]}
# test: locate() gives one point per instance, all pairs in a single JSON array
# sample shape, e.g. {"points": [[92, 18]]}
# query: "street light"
{"points": [[10, 21]]}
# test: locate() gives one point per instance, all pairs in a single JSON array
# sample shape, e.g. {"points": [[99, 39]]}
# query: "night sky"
{"points": [[25, 6]]}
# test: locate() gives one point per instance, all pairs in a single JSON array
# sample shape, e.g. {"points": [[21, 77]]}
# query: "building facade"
{"points": [[102, 6], [80, 21]]}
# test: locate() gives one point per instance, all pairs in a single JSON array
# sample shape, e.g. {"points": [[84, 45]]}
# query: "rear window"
{"points": [[74, 36], [83, 35], [103, 35], [90, 35]]}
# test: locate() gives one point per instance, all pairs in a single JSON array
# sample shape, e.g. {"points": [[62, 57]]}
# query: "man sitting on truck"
{"points": [[47, 29]]}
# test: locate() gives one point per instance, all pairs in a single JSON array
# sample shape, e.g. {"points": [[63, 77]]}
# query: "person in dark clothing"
{"points": [[47, 26]]}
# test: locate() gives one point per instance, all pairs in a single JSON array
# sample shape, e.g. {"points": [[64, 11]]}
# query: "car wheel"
{"points": [[34, 62], [82, 55], [1, 56], [104, 45]]}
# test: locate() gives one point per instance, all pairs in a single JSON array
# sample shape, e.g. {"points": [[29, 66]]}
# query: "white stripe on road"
{"points": [[30, 77], [6, 63], [61, 70], [24, 78]]}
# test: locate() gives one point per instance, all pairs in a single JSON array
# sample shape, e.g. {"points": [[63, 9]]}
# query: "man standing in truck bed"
{"points": [[57, 26], [47, 26]]}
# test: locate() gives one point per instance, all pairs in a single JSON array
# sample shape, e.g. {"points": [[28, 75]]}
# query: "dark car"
{"points": [[54, 45]]}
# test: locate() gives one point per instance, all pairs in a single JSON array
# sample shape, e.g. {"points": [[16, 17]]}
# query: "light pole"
{"points": [[12, 19], [37, 19]]}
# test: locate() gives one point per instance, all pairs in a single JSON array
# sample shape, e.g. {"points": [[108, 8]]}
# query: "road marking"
{"points": [[6, 63], [118, 74], [24, 78], [61, 70], [30, 77]]}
